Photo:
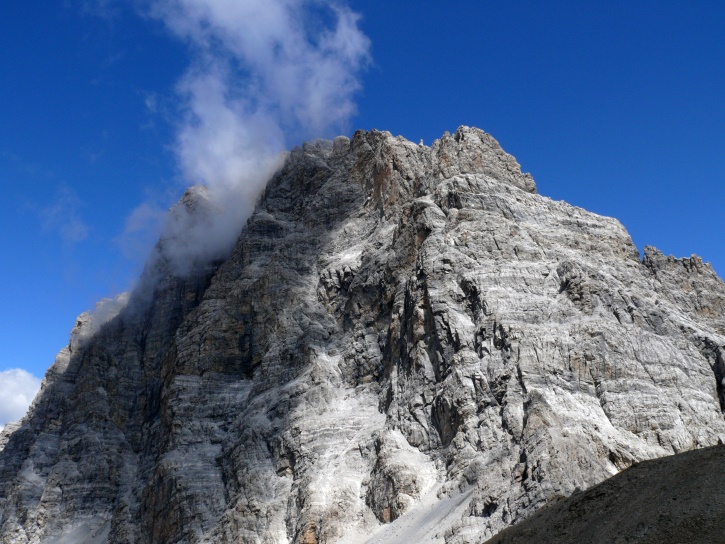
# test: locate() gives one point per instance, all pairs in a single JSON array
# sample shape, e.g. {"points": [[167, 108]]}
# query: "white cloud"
{"points": [[151, 102], [265, 74], [299, 59], [141, 229], [105, 9], [63, 216], [17, 390]]}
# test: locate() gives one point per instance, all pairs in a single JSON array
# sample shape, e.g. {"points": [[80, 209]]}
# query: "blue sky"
{"points": [[616, 107]]}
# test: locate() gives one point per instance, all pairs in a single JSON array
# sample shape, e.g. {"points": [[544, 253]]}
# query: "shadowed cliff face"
{"points": [[671, 500], [397, 327]]}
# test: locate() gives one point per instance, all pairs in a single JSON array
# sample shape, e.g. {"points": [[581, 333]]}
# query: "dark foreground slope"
{"points": [[673, 500], [398, 327]]}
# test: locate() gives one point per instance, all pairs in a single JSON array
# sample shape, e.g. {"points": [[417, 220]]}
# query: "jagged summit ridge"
{"points": [[398, 327]]}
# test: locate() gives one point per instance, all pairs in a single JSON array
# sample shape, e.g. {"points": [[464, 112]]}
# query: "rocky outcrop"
{"points": [[398, 329], [671, 500]]}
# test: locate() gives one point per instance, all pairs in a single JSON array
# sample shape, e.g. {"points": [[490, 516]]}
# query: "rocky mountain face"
{"points": [[407, 344]]}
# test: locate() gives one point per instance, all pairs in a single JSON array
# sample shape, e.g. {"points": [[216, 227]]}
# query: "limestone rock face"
{"points": [[407, 344]]}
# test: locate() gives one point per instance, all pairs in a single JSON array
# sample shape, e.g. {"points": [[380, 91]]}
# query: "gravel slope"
{"points": [[672, 500]]}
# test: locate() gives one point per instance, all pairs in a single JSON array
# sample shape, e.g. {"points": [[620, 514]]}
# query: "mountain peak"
{"points": [[404, 343]]}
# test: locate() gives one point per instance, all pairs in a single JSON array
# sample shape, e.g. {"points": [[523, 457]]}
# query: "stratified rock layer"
{"points": [[398, 328]]}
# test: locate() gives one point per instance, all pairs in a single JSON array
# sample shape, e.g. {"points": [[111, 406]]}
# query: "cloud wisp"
{"points": [[265, 75], [63, 217]]}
